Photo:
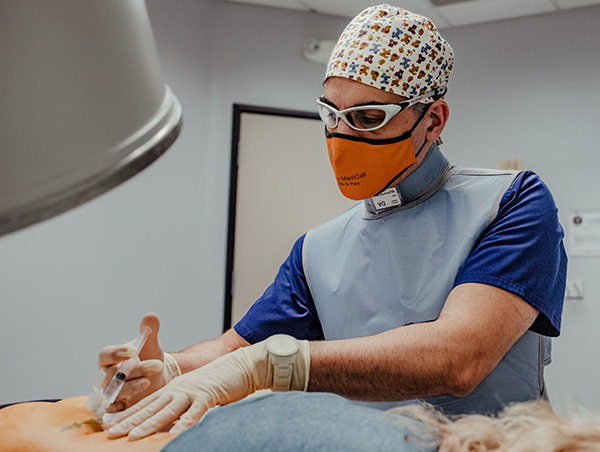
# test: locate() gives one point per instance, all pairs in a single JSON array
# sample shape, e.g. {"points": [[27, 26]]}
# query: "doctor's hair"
{"points": [[521, 427], [419, 109]]}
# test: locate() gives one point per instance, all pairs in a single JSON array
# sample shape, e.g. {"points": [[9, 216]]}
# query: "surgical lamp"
{"points": [[83, 103]]}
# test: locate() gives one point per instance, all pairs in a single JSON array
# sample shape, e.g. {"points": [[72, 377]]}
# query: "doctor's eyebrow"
{"points": [[362, 104], [328, 102]]}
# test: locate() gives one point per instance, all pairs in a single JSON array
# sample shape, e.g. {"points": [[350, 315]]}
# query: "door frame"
{"points": [[238, 111]]}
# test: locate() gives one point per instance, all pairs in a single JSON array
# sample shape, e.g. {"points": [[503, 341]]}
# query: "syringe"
{"points": [[111, 392]]}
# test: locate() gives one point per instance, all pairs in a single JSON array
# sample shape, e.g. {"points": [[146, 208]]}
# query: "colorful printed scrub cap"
{"points": [[395, 50]]}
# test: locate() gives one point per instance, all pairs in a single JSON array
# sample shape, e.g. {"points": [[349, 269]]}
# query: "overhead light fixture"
{"points": [[318, 50], [84, 103]]}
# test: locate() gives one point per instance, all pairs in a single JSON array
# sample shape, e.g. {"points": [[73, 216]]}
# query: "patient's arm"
{"points": [[57, 427]]}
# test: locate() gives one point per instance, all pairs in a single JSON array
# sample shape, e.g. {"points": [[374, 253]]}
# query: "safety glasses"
{"points": [[366, 117]]}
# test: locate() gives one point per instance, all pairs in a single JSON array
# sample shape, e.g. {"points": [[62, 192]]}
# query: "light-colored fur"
{"points": [[522, 427]]}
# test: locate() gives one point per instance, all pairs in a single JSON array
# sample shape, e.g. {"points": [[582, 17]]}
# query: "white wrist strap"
{"points": [[171, 368]]}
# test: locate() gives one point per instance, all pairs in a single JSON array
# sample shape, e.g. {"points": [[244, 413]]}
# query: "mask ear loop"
{"points": [[415, 126], [439, 93]]}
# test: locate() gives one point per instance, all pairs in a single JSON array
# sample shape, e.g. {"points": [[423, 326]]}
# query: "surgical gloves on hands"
{"points": [[229, 378]]}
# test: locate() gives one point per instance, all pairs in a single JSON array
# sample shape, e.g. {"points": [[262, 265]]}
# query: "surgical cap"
{"points": [[395, 50]]}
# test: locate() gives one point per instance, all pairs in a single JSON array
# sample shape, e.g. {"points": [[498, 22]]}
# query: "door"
{"points": [[282, 185]]}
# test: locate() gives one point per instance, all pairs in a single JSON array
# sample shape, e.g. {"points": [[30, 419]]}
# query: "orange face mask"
{"points": [[365, 167]]}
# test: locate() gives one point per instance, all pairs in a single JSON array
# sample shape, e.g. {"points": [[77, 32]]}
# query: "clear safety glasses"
{"points": [[365, 117]]}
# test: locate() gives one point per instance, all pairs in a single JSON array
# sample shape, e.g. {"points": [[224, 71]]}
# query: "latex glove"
{"points": [[229, 378], [147, 376]]}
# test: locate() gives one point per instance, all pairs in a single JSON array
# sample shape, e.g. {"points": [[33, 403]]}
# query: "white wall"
{"points": [[521, 88]]}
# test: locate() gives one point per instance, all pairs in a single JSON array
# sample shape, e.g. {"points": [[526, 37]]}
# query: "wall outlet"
{"points": [[574, 290]]}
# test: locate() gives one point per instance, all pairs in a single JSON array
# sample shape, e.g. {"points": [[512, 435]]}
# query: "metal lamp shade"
{"points": [[83, 103]]}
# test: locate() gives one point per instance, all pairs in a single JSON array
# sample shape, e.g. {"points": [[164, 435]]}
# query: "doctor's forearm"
{"points": [[203, 353], [391, 366], [448, 356]]}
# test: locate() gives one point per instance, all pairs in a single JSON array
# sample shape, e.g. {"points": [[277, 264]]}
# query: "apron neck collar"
{"points": [[420, 185]]}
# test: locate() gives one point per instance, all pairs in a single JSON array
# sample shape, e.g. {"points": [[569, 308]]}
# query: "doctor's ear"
{"points": [[437, 118]]}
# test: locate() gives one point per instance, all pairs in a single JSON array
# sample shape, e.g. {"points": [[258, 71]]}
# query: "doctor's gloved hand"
{"points": [[149, 375], [227, 379]]}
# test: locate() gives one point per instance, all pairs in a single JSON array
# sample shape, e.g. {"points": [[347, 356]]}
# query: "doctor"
{"points": [[443, 285]]}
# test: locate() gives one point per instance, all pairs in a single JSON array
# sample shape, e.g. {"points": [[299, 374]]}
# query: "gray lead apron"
{"points": [[371, 272]]}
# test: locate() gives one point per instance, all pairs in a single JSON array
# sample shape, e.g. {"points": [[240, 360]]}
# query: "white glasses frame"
{"points": [[390, 110]]}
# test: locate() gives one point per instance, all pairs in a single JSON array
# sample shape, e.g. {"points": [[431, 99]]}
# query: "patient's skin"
{"points": [[48, 427]]}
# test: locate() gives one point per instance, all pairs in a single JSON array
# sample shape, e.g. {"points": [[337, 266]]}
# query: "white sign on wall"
{"points": [[584, 234]]}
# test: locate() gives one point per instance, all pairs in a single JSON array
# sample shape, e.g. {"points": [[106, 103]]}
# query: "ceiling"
{"points": [[444, 13]]}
